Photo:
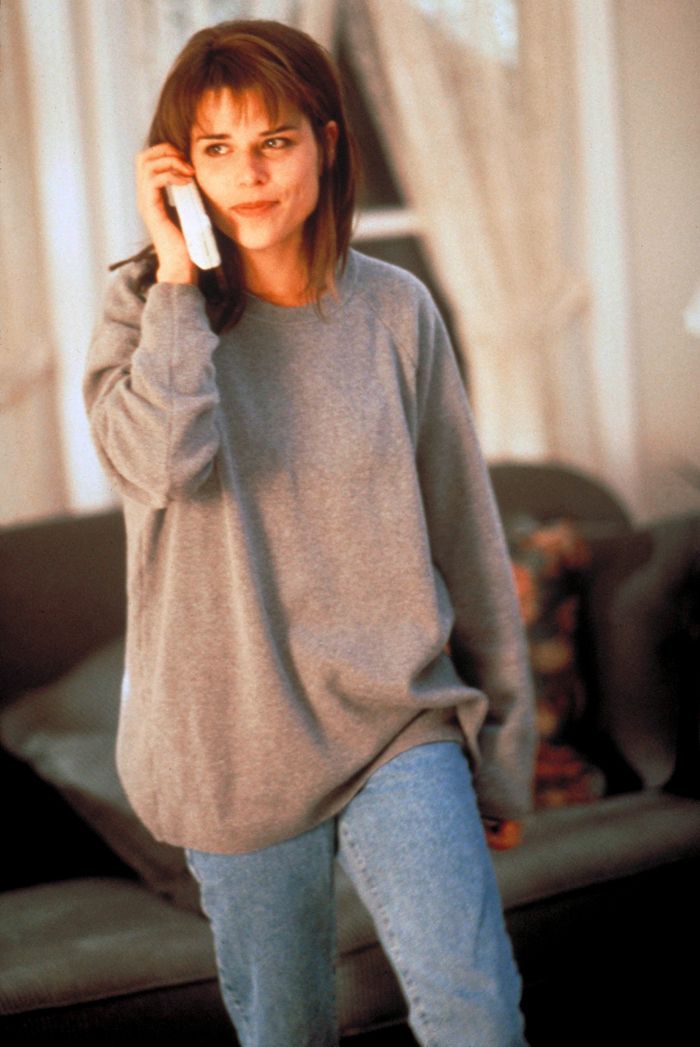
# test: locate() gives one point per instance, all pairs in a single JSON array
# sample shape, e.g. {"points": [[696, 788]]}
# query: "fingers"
{"points": [[162, 158], [501, 835], [162, 165], [157, 167]]}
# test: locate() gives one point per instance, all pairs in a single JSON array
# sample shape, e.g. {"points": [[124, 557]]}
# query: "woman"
{"points": [[309, 524]]}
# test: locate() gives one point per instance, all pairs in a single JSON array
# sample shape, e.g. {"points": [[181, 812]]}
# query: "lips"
{"points": [[257, 207]]}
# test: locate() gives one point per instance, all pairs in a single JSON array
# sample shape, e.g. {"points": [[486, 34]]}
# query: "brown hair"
{"points": [[286, 66]]}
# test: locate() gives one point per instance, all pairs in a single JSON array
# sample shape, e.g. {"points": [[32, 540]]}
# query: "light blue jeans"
{"points": [[412, 842]]}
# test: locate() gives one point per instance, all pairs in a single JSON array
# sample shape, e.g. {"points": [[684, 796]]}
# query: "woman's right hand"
{"points": [[156, 167]]}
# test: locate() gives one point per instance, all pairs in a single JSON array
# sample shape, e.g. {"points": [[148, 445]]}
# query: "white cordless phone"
{"points": [[196, 225]]}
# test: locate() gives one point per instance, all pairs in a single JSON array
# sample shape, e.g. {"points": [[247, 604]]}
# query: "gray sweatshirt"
{"points": [[310, 524]]}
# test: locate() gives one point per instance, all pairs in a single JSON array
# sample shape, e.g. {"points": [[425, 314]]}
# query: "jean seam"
{"points": [[241, 1020], [379, 908]]}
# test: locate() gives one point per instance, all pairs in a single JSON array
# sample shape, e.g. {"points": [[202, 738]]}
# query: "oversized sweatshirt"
{"points": [[310, 531]]}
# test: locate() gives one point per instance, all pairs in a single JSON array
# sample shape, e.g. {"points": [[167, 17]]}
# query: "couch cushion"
{"points": [[88, 940], [91, 939], [574, 847], [644, 628], [567, 849], [564, 850], [66, 732]]}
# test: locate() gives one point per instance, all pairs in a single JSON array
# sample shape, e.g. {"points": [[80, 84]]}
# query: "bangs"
{"points": [[240, 73]]}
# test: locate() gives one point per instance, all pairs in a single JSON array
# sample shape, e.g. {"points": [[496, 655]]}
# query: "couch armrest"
{"points": [[642, 648], [62, 593], [553, 491], [685, 780]]}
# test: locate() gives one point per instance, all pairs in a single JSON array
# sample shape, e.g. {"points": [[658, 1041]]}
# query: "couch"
{"points": [[101, 939]]}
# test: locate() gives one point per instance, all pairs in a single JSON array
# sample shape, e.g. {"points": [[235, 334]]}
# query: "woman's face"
{"points": [[260, 177]]}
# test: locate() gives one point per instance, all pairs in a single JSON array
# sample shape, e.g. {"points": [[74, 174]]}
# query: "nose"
{"points": [[251, 169]]}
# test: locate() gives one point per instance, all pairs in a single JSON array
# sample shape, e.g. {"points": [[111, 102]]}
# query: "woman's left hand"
{"points": [[502, 834]]}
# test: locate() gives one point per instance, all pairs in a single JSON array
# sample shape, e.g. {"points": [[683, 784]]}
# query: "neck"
{"points": [[280, 280]]}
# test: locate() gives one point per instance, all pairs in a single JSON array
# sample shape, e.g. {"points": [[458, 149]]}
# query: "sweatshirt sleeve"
{"points": [[150, 390], [468, 548]]}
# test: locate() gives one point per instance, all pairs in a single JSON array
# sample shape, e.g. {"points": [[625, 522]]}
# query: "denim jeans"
{"points": [[412, 842]]}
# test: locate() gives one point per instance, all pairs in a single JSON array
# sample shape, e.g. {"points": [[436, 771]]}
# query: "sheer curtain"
{"points": [[79, 82], [30, 461], [470, 97]]}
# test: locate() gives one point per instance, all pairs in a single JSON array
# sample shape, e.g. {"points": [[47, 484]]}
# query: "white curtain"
{"points": [[470, 99], [469, 94], [79, 84], [31, 463]]}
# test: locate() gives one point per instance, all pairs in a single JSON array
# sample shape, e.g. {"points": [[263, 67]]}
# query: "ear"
{"points": [[330, 140]]}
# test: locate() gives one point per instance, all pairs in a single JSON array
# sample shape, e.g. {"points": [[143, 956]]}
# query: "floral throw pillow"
{"points": [[549, 560]]}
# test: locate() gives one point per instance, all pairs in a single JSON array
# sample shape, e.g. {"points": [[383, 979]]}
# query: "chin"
{"points": [[249, 240]]}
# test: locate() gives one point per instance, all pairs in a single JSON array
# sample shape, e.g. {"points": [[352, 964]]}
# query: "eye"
{"points": [[276, 144], [216, 149]]}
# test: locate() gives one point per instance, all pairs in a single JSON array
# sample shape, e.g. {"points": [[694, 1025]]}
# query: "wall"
{"points": [[658, 49]]}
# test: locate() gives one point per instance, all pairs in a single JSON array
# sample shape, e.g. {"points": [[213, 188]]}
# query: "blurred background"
{"points": [[536, 162]]}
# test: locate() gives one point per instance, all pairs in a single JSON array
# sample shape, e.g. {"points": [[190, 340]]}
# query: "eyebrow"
{"points": [[263, 134]]}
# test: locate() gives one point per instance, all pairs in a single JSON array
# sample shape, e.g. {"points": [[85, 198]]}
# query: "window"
{"points": [[386, 228]]}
